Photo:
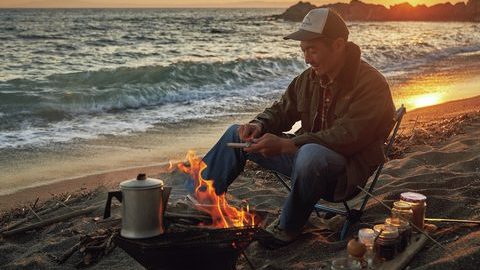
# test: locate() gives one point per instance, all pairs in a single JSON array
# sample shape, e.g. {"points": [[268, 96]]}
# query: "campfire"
{"points": [[223, 215], [213, 240]]}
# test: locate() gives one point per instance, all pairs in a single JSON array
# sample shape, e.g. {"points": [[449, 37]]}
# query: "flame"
{"points": [[223, 215]]}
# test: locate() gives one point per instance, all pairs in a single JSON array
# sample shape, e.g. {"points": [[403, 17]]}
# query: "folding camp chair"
{"points": [[353, 215]]}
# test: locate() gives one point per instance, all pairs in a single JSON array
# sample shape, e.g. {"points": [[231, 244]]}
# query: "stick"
{"points": [[452, 220], [51, 221], [68, 207], [413, 128], [36, 201], [29, 207], [69, 252], [44, 211], [413, 225]]}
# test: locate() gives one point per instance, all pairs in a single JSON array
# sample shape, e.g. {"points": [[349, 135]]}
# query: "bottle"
{"points": [[418, 203], [401, 211], [404, 231]]}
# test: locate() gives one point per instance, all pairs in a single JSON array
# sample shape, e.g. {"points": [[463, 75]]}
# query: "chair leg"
{"points": [[345, 228]]}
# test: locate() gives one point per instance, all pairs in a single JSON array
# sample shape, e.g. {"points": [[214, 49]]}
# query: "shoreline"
{"points": [[111, 178], [67, 167]]}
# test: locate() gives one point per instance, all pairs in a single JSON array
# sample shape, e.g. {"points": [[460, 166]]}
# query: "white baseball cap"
{"points": [[320, 22]]}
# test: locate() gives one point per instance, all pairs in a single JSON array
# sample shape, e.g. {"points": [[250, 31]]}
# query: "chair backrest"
{"points": [[398, 120]]}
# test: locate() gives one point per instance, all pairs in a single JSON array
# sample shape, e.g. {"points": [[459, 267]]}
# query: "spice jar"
{"points": [[404, 230], [401, 211], [418, 203], [386, 242]]}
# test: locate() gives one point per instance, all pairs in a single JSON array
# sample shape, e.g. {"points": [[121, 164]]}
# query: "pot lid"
{"points": [[141, 182]]}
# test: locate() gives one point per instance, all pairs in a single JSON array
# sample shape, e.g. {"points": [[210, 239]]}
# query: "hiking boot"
{"points": [[280, 237]]}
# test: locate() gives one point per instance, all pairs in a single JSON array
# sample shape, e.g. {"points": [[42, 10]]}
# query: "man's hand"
{"points": [[271, 145], [249, 131]]}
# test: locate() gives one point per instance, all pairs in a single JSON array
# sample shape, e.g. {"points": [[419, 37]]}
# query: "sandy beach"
{"points": [[437, 154]]}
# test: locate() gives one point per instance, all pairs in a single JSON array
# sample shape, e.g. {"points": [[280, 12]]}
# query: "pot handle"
{"points": [[117, 194]]}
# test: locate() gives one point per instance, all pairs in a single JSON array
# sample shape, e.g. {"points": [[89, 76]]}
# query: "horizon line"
{"points": [[232, 6]]}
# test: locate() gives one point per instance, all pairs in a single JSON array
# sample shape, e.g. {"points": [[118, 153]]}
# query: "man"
{"points": [[346, 111]]}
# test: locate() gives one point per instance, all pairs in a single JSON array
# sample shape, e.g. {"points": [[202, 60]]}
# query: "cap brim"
{"points": [[303, 35]]}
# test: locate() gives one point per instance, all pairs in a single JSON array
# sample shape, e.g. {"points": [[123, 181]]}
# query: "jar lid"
{"points": [[401, 224], [141, 182], [402, 205], [413, 197], [386, 231]]}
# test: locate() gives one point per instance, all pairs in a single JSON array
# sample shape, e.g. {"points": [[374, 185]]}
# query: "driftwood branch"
{"points": [[40, 213], [51, 221], [35, 213], [69, 252]]}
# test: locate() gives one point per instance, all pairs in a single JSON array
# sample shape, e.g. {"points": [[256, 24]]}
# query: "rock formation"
{"points": [[360, 11]]}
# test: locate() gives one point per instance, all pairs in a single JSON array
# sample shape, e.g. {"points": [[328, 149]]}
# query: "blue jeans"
{"points": [[313, 170]]}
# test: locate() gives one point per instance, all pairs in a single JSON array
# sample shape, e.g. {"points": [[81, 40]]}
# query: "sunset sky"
{"points": [[187, 3]]}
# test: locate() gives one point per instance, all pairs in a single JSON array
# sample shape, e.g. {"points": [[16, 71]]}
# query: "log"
{"points": [[51, 221], [186, 216]]}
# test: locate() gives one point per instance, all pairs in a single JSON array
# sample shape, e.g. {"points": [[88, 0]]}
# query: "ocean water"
{"points": [[84, 73]]}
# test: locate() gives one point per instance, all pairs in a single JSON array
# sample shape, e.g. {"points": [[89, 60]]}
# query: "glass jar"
{"points": [[401, 211], [418, 203], [387, 241], [404, 231], [367, 237], [345, 263]]}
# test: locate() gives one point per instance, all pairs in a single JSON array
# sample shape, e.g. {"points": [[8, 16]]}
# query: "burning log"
{"points": [[223, 215]]}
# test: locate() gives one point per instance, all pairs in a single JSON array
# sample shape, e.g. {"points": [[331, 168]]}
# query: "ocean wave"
{"points": [[390, 61], [114, 90], [34, 133]]}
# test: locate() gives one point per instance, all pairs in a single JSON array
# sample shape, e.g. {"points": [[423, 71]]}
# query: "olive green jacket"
{"points": [[359, 119]]}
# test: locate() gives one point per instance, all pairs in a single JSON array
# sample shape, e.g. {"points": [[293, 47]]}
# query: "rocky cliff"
{"points": [[360, 11]]}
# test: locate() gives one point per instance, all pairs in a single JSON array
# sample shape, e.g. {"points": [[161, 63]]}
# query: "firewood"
{"points": [[69, 253], [40, 213], [51, 221], [186, 216]]}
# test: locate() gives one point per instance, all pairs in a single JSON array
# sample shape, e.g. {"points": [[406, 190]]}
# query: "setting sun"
{"points": [[426, 100]]}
